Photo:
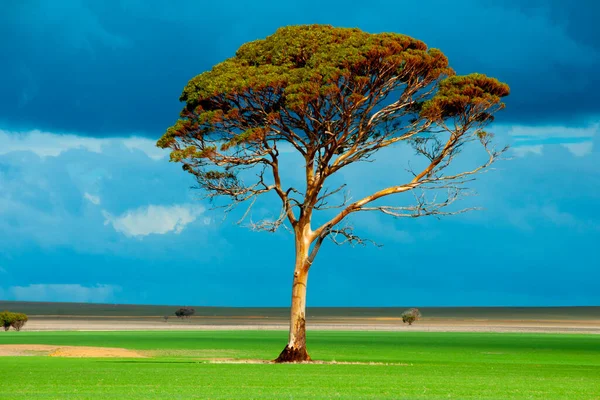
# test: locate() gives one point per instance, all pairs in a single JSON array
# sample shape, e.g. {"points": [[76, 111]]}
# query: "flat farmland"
{"points": [[89, 351], [364, 364]]}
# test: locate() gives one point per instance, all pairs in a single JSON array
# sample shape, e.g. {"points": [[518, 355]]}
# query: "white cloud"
{"points": [[521, 151], [562, 218], [64, 292], [154, 219], [41, 198], [147, 146], [580, 149], [46, 144], [95, 200], [532, 139], [550, 131], [558, 217]]}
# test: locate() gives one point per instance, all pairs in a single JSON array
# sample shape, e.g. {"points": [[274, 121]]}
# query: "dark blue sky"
{"points": [[91, 211]]}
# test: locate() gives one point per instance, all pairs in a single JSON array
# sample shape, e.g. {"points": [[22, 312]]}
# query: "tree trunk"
{"points": [[295, 350]]}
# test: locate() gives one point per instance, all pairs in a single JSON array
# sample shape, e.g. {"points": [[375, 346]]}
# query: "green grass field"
{"points": [[432, 366]]}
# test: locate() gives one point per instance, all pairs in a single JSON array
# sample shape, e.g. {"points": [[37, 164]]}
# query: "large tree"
{"points": [[335, 96]]}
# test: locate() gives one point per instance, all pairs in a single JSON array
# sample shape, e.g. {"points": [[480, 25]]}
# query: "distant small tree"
{"points": [[19, 320], [411, 316], [6, 319], [185, 312], [166, 318]]}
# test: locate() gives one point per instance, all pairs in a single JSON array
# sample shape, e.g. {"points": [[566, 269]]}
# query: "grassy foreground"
{"points": [[432, 366]]}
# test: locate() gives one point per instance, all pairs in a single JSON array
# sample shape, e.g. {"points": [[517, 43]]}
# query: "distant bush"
{"points": [[411, 316], [6, 319], [14, 320], [19, 321], [185, 312], [166, 318]]}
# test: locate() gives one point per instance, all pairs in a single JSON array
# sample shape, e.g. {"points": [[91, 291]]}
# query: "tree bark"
{"points": [[295, 350]]}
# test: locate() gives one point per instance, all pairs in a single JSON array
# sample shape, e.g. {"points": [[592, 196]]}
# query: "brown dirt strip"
{"points": [[65, 351]]}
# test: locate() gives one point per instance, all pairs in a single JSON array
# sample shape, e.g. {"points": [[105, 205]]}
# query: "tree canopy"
{"points": [[336, 95]]}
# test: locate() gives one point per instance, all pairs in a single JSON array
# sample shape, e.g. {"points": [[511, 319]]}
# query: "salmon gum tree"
{"points": [[335, 97]]}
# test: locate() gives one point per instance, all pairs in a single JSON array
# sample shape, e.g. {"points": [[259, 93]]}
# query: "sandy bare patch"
{"points": [[65, 351], [25, 349], [201, 354]]}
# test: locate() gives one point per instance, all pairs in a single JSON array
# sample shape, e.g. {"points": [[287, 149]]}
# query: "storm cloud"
{"points": [[114, 68]]}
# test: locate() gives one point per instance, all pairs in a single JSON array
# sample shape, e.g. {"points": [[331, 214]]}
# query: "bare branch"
{"points": [[323, 204], [428, 177], [424, 207], [267, 224], [347, 236]]}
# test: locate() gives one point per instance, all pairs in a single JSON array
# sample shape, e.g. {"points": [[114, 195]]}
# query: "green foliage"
{"points": [[410, 316], [249, 135], [19, 321], [6, 319], [457, 94], [14, 320], [297, 68]]}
